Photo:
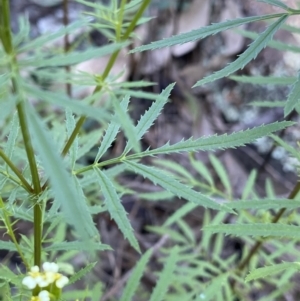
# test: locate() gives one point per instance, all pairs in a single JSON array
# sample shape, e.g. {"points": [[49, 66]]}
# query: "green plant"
{"points": [[56, 189]]}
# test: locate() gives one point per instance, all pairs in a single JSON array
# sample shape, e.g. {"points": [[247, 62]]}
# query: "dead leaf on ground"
{"points": [[196, 16], [158, 58], [234, 42]]}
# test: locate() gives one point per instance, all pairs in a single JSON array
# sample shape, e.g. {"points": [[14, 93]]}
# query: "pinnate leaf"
{"points": [[270, 270], [166, 277], [264, 80], [135, 278], [202, 32], [115, 208], [40, 41], [127, 124], [82, 272], [151, 115], [76, 106], [256, 230], [252, 51], [217, 142], [264, 204], [293, 98], [275, 3], [71, 58], [111, 132], [76, 245], [172, 185]]}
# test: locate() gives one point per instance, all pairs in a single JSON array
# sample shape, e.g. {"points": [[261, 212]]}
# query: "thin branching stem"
{"points": [[11, 165], [11, 232]]}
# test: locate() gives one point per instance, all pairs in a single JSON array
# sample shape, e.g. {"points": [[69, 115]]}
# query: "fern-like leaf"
{"points": [[214, 288], [221, 172], [63, 101], [115, 208], [275, 3], [270, 270], [42, 40], [151, 115], [111, 132], [293, 98], [76, 245], [294, 152], [135, 278], [264, 80], [178, 214], [166, 277], [256, 230], [202, 32], [172, 185], [216, 142], [127, 125], [3, 79], [7, 245], [72, 58], [82, 272], [272, 43], [7, 274], [252, 51], [264, 204], [249, 186], [13, 134]]}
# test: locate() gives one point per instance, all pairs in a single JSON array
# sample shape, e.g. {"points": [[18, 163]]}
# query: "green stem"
{"points": [[38, 228], [136, 18], [8, 46], [7, 40], [28, 147], [120, 20], [73, 135], [106, 72], [98, 165], [35, 179], [5, 26], [11, 233], [16, 171]]}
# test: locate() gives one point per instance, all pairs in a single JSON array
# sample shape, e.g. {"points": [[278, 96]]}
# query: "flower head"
{"points": [[52, 275], [50, 267], [61, 281], [42, 296], [44, 279], [31, 280]]}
